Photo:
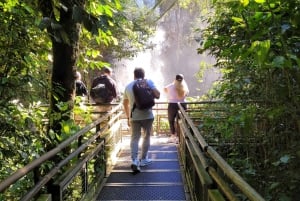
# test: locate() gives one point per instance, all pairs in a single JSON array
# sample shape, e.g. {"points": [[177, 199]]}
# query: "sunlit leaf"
{"points": [[118, 4], [9, 5], [260, 49], [95, 53], [258, 15], [58, 137], [108, 11], [66, 128], [260, 1], [237, 19], [244, 2], [114, 40]]}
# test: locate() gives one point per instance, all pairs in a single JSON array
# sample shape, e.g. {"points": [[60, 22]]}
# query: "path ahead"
{"points": [[161, 180]]}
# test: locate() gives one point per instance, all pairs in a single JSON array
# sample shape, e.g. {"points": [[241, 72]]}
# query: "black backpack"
{"points": [[101, 93], [143, 95]]}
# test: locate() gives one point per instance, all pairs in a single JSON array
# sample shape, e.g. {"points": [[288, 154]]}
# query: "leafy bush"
{"points": [[256, 45]]}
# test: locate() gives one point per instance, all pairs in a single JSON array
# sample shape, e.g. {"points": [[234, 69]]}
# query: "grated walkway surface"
{"points": [[160, 180]]}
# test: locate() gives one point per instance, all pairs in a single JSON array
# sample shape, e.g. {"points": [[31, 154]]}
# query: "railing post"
{"points": [[84, 178], [55, 192], [98, 128]]}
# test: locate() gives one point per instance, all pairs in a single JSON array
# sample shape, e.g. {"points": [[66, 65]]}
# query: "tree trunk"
{"points": [[62, 82], [65, 44]]}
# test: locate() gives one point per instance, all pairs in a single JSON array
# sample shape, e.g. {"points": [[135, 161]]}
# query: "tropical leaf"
{"points": [[260, 1], [244, 2]]}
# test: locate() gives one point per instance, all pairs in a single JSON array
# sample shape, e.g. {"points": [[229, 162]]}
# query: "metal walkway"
{"points": [[161, 180]]}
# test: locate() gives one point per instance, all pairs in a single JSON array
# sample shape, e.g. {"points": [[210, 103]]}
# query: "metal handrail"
{"points": [[191, 142], [43, 158], [193, 136]]}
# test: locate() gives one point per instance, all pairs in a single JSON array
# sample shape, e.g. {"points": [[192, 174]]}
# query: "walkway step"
{"points": [[161, 180]]}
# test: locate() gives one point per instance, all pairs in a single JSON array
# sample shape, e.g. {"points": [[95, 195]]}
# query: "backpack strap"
{"points": [[134, 106]]}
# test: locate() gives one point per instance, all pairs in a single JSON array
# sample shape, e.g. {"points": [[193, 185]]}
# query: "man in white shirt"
{"points": [[139, 119]]}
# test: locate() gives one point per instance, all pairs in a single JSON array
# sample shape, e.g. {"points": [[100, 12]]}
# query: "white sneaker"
{"points": [[173, 139], [176, 140], [145, 162], [135, 166]]}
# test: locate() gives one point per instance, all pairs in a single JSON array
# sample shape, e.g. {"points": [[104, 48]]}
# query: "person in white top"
{"points": [[138, 120], [176, 91]]}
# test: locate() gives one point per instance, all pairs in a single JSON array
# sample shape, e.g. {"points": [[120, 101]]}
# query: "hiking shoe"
{"points": [[145, 162], [135, 166]]}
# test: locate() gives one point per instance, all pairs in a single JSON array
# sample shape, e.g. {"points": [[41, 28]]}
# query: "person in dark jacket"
{"points": [[81, 89], [104, 87]]}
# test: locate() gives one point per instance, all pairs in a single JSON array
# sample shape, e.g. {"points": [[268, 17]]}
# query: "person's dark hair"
{"points": [[139, 73], [106, 69], [179, 77]]}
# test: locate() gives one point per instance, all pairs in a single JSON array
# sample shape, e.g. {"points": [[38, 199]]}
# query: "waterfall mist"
{"points": [[175, 52]]}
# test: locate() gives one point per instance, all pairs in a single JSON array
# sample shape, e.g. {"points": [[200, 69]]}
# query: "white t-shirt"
{"points": [[172, 94]]}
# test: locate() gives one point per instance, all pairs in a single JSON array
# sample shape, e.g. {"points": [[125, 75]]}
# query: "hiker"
{"points": [[104, 88], [176, 92], [139, 119], [80, 87]]}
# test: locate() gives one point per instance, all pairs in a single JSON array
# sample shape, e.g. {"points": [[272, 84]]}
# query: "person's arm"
{"points": [[165, 89], [127, 109], [115, 90], [156, 93], [187, 91]]}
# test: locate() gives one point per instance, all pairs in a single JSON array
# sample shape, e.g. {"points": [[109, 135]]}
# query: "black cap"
{"points": [[179, 77]]}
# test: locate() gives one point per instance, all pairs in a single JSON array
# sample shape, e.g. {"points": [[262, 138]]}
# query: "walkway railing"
{"points": [[83, 168], [208, 175]]}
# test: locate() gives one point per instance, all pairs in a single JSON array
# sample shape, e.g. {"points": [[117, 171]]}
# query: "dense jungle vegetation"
{"points": [[256, 44]]}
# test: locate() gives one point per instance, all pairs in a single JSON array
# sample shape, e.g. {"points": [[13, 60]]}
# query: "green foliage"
{"points": [[23, 78], [21, 57], [22, 139], [126, 32], [25, 71], [256, 46]]}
